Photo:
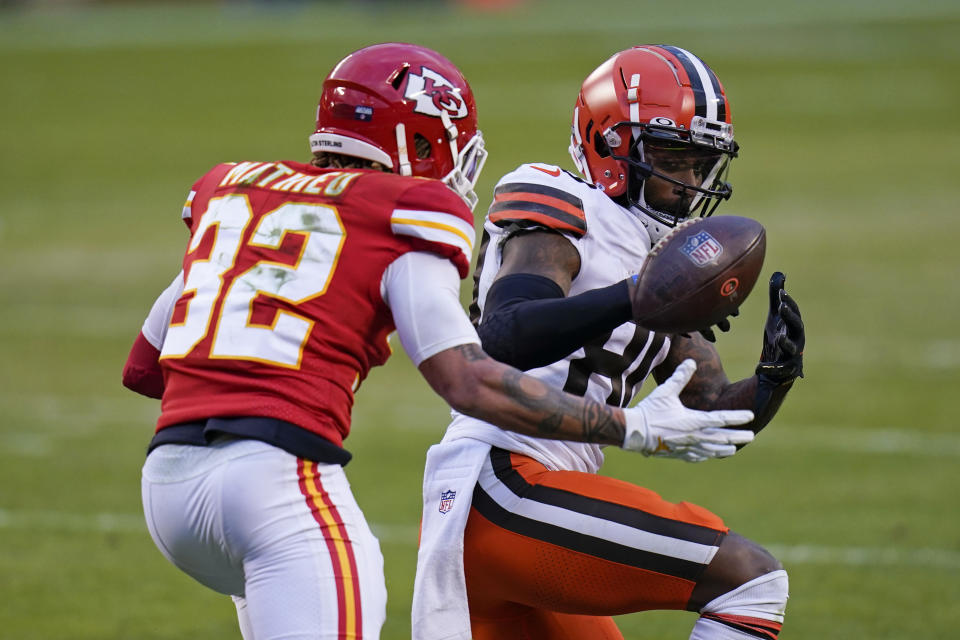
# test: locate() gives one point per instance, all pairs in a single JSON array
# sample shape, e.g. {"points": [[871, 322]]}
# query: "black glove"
{"points": [[781, 359], [723, 325]]}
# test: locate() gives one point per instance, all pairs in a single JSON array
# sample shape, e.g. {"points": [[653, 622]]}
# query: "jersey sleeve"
{"points": [[141, 372], [423, 293], [537, 195], [155, 326], [431, 217]]}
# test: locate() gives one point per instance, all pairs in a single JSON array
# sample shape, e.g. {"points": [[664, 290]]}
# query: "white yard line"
{"points": [[863, 556], [57, 521], [884, 440]]}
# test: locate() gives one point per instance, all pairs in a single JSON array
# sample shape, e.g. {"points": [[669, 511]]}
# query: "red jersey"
{"points": [[282, 314]]}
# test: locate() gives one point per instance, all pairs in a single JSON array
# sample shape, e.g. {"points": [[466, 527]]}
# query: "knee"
{"points": [[759, 605], [745, 560], [744, 587], [766, 594], [736, 563]]}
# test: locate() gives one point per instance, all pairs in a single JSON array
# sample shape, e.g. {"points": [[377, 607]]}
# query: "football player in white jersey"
{"points": [[521, 538], [293, 278]]}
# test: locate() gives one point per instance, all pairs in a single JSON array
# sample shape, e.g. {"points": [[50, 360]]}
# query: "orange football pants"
{"points": [[551, 555]]}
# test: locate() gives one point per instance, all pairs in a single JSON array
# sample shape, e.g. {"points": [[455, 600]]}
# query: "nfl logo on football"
{"points": [[446, 500], [702, 248]]}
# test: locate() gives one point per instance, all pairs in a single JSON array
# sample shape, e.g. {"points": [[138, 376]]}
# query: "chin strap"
{"points": [[655, 229], [402, 155], [462, 178]]}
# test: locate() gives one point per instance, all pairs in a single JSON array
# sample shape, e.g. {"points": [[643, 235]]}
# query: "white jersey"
{"points": [[612, 243]]}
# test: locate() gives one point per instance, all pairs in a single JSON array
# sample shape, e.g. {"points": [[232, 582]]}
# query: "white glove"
{"points": [[659, 425]]}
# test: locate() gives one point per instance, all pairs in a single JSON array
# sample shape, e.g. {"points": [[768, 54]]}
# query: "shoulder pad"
{"points": [[431, 217], [205, 185], [428, 193], [539, 196]]}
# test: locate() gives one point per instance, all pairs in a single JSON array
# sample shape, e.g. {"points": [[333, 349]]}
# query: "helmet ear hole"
{"points": [[397, 80], [600, 145], [423, 146]]}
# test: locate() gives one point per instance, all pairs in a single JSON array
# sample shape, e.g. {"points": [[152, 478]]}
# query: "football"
{"points": [[699, 274]]}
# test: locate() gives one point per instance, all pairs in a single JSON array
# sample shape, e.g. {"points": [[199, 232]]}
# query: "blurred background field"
{"points": [[847, 116]]}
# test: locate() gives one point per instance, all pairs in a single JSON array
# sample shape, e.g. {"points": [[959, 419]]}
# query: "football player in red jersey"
{"points": [[293, 277], [545, 548]]}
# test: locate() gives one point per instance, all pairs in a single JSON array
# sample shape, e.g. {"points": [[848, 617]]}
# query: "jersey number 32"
{"points": [[219, 300]]}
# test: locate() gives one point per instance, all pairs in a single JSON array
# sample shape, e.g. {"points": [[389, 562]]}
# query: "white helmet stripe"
{"points": [[633, 97], [701, 81]]}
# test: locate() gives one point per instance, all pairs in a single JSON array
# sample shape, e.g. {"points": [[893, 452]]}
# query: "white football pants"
{"points": [[282, 535]]}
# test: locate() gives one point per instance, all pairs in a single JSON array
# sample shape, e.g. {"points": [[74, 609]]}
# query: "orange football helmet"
{"points": [[647, 102]]}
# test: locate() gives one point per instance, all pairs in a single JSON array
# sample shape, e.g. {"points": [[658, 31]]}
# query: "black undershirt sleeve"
{"points": [[770, 395], [527, 322]]}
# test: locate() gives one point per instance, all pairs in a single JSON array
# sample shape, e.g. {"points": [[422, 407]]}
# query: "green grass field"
{"points": [[846, 113]]}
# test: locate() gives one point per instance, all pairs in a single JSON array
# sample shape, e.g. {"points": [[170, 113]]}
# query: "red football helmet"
{"points": [[406, 107], [647, 108]]}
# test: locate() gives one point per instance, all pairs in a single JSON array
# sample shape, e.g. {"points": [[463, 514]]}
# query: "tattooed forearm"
{"points": [[471, 352], [600, 425], [476, 385], [597, 423], [707, 383], [738, 395], [710, 389], [534, 395], [709, 380]]}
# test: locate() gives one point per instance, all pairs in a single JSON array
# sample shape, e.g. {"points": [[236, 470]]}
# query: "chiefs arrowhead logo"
{"points": [[435, 94]]}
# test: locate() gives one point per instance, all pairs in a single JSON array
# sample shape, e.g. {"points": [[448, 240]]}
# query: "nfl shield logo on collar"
{"points": [[446, 501], [702, 248]]}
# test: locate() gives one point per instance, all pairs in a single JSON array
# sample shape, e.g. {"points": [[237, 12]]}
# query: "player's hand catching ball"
{"points": [[659, 425], [723, 325], [781, 359]]}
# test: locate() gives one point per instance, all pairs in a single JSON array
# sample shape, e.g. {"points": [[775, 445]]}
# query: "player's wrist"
{"points": [[632, 283], [636, 430], [777, 373]]}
